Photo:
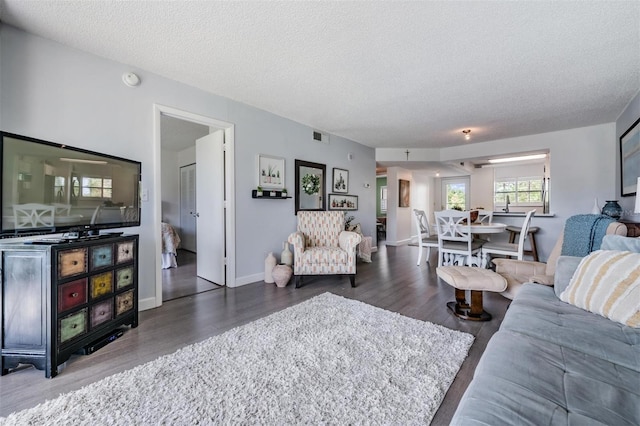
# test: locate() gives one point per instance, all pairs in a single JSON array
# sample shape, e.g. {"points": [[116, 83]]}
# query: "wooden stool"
{"points": [[476, 280], [514, 231]]}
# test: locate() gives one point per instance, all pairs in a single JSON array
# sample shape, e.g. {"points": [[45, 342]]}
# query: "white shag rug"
{"points": [[329, 360]]}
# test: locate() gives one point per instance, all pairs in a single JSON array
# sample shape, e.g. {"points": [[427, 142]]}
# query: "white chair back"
{"points": [[34, 215], [524, 233], [455, 241], [485, 216], [425, 240], [422, 223]]}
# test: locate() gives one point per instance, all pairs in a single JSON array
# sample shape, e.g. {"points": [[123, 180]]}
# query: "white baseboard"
{"points": [[374, 249], [249, 279], [399, 243], [148, 303]]}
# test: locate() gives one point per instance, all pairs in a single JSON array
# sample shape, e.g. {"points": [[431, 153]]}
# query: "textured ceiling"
{"points": [[385, 74]]}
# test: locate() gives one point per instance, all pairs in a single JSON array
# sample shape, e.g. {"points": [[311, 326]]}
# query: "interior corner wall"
{"points": [[624, 122], [56, 93]]}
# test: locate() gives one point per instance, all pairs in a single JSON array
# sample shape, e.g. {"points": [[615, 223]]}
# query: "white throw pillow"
{"points": [[607, 283]]}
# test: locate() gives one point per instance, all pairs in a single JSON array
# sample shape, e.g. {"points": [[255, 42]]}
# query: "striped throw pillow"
{"points": [[607, 283]]}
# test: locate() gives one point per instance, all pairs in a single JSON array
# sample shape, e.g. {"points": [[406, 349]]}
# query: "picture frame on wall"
{"points": [[340, 180], [630, 159], [404, 191], [310, 186], [270, 171], [343, 202]]}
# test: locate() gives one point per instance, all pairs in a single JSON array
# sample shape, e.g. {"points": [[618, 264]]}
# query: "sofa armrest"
{"points": [[519, 267], [348, 241], [565, 269]]}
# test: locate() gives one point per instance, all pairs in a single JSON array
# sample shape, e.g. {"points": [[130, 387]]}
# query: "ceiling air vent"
{"points": [[320, 137]]}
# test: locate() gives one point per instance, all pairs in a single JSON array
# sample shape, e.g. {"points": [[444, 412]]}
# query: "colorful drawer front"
{"points": [[101, 312], [124, 252], [72, 325], [101, 284], [72, 294], [101, 256], [124, 277], [124, 302], [72, 262]]}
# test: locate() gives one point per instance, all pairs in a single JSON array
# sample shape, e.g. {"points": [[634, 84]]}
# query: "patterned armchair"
{"points": [[322, 246]]}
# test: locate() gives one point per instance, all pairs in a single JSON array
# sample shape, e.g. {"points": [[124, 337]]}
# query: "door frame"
{"points": [[229, 187]]}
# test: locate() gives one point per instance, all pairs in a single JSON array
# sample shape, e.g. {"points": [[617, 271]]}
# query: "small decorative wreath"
{"points": [[310, 184]]}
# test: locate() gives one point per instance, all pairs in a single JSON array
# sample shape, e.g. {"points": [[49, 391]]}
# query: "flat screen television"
{"points": [[51, 188]]}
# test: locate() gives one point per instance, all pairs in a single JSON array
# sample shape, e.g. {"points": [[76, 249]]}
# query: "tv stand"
{"points": [[58, 298]]}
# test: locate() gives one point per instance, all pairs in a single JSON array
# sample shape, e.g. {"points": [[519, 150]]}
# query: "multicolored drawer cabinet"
{"points": [[58, 298]]}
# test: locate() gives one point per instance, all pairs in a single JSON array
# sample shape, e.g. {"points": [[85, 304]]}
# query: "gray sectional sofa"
{"points": [[552, 363]]}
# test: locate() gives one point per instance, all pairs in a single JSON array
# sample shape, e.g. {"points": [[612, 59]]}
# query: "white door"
{"points": [[455, 193], [188, 207], [210, 244]]}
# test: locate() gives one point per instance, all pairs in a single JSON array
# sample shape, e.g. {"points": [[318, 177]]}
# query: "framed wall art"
{"points": [[630, 159], [340, 181], [343, 202], [404, 191], [270, 172], [310, 186]]}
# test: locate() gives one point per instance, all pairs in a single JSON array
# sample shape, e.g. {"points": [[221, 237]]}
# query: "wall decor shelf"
{"points": [[272, 195]]}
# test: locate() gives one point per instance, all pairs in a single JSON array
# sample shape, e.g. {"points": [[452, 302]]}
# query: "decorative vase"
{"points": [[612, 209], [595, 209], [282, 274], [286, 257], [269, 263]]}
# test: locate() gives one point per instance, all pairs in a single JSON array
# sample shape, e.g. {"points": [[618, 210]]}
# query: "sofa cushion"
{"points": [[618, 242], [565, 267], [607, 283], [537, 312], [527, 381]]}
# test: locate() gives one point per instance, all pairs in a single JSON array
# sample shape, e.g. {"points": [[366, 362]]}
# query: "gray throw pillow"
{"points": [[620, 243], [565, 267]]}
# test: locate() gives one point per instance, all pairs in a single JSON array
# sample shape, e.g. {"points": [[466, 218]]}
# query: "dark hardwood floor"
{"points": [[183, 281], [392, 281]]}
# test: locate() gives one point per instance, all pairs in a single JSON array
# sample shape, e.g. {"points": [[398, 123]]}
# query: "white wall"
{"points": [[56, 93]]}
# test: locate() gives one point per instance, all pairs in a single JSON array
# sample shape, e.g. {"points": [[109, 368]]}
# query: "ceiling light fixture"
{"points": [[521, 158], [82, 160], [467, 134]]}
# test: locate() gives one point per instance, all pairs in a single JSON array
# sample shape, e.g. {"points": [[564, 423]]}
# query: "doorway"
{"points": [[455, 193], [183, 280]]}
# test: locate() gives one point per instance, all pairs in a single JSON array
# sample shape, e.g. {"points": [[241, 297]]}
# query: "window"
{"points": [[455, 193], [522, 191], [383, 198], [93, 187]]}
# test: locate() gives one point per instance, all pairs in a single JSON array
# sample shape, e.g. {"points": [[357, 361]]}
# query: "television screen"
{"points": [[49, 187]]}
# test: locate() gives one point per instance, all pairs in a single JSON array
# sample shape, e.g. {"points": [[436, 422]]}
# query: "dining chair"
{"points": [[485, 216], [456, 244], [508, 249], [33, 215], [425, 239]]}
